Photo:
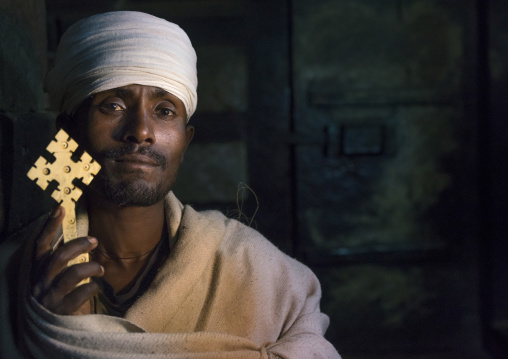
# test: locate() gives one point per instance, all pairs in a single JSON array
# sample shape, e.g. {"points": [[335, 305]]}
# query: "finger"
{"points": [[58, 261], [83, 294], [67, 281], [73, 301], [70, 250], [49, 231]]}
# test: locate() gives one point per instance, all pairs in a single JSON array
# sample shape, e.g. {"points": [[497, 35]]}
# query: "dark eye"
{"points": [[114, 107], [111, 107], [164, 112]]}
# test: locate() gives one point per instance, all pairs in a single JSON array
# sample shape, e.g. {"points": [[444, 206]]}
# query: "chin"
{"points": [[136, 193]]}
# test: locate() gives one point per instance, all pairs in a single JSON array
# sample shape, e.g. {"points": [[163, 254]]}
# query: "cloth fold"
{"points": [[223, 292], [100, 336]]}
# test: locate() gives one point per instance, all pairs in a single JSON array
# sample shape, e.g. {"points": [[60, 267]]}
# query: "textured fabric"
{"points": [[121, 48], [223, 292]]}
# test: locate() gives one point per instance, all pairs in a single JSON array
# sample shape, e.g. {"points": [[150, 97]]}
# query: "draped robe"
{"points": [[223, 292]]}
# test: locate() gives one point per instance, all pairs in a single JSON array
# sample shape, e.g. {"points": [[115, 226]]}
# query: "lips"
{"points": [[133, 158], [136, 159]]}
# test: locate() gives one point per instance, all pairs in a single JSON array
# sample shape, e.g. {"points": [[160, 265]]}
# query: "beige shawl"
{"points": [[224, 292]]}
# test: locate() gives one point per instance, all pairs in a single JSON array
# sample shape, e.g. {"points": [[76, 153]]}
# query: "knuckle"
{"points": [[71, 274], [91, 287], [37, 290], [71, 250], [96, 267], [67, 306], [48, 301], [74, 274], [60, 255], [85, 290], [84, 245], [45, 302], [79, 296], [40, 285]]}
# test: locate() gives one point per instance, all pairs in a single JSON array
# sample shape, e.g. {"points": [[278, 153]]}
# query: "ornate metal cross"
{"points": [[64, 171]]}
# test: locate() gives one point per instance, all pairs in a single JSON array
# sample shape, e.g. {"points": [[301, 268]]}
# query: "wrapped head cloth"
{"points": [[121, 48]]}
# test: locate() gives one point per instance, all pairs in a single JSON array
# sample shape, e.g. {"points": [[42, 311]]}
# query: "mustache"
{"points": [[115, 153]]}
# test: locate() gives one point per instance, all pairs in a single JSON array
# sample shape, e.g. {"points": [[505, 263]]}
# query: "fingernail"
{"points": [[92, 240], [56, 212]]}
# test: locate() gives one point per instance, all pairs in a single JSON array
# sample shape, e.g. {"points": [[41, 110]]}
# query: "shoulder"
{"points": [[235, 237], [243, 247]]}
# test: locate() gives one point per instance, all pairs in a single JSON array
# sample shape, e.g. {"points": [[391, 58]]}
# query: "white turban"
{"points": [[121, 48]]}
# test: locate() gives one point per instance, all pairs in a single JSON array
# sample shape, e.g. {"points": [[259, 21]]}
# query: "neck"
{"points": [[125, 232]]}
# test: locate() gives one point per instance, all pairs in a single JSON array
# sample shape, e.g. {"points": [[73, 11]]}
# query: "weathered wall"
{"points": [[498, 151], [385, 114], [22, 55], [494, 177], [22, 129]]}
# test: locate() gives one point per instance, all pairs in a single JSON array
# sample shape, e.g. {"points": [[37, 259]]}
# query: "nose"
{"points": [[138, 128]]}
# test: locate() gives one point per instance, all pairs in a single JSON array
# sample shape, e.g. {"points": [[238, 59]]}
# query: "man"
{"points": [[167, 281]]}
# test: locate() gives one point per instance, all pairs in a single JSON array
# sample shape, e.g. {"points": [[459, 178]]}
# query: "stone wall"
{"points": [[385, 115], [24, 128], [493, 176]]}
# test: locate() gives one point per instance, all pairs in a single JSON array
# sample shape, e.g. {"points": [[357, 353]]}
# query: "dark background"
{"points": [[372, 135]]}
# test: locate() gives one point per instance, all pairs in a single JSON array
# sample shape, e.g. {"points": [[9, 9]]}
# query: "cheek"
{"points": [[173, 139], [100, 132], [173, 149]]}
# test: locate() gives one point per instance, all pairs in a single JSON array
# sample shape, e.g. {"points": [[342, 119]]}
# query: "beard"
{"points": [[135, 192]]}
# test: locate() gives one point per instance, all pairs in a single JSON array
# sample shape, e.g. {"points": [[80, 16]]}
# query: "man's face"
{"points": [[139, 135]]}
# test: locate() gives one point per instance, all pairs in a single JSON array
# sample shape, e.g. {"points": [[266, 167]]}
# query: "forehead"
{"points": [[135, 90]]}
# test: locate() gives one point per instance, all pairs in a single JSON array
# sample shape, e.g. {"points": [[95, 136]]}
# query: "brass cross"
{"points": [[64, 170]]}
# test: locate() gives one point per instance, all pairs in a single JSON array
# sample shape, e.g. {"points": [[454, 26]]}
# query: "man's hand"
{"points": [[53, 283]]}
